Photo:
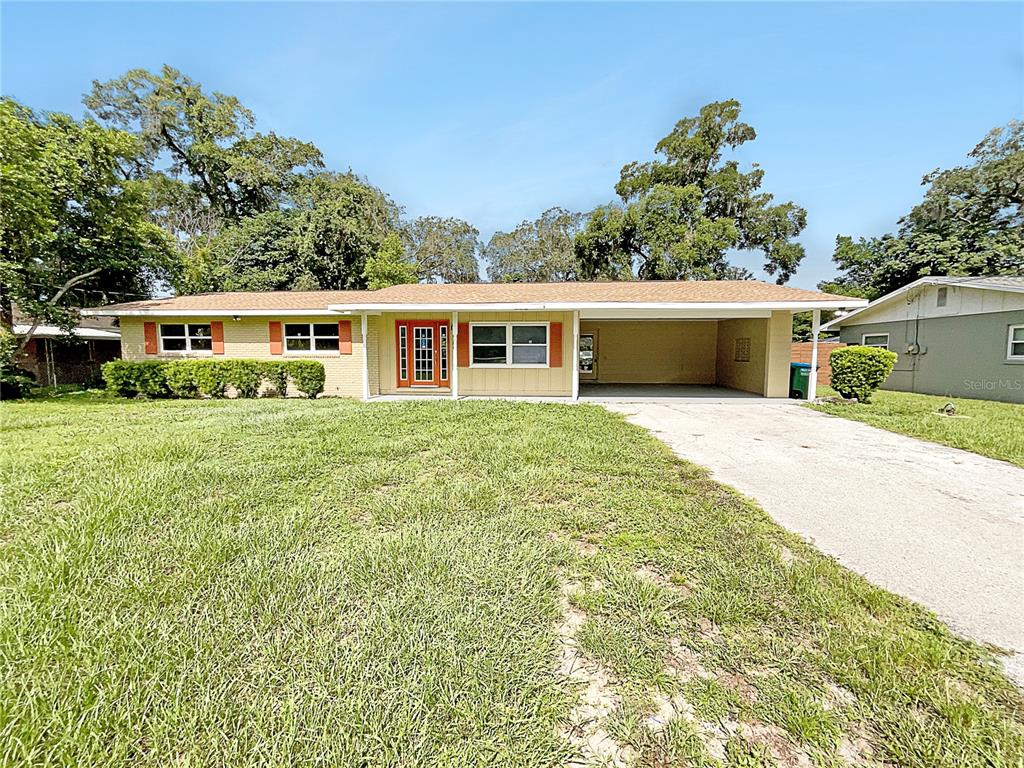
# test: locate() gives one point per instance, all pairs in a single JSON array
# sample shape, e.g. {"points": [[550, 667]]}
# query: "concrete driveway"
{"points": [[938, 525]]}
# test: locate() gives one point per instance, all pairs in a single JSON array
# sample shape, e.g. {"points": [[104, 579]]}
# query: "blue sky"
{"points": [[494, 112]]}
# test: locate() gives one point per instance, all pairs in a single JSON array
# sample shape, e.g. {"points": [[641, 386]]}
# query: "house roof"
{"points": [[988, 283], [660, 293]]}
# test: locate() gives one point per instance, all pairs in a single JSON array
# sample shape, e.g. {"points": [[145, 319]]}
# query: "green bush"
{"points": [[130, 378], [859, 371], [211, 378], [276, 374], [14, 381], [180, 378], [245, 376], [307, 376]]}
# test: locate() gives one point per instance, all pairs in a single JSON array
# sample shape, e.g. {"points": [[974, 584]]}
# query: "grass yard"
{"points": [[981, 426], [477, 583]]}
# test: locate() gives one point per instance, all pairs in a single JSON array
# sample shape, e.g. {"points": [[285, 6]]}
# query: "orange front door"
{"points": [[422, 350]]}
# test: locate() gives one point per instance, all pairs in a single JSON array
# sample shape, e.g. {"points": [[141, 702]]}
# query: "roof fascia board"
{"points": [[100, 312], [794, 306]]}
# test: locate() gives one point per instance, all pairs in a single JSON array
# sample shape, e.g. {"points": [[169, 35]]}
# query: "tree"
{"points": [[682, 213], [342, 221], [444, 250], [208, 168], [969, 223], [389, 265], [70, 220], [209, 140], [321, 241], [536, 251]]}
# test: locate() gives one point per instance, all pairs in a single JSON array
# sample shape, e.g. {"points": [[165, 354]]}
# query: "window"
{"points": [[875, 340], [186, 337], [940, 296], [311, 337], [1015, 343], [741, 352], [509, 344]]}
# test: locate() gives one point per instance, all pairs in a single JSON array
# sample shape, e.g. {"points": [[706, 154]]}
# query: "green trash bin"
{"points": [[799, 380]]}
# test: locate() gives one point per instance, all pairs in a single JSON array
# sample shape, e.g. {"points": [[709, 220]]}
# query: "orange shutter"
{"points": [[345, 337], [463, 346], [217, 337], [555, 346], [150, 332], [276, 348]]}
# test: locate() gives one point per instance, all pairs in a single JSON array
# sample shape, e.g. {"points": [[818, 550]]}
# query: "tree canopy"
{"points": [[536, 251], [444, 250], [682, 213], [969, 223], [70, 221], [389, 265]]}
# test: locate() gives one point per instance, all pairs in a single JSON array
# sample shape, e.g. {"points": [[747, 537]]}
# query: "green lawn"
{"points": [[478, 583], [982, 426]]}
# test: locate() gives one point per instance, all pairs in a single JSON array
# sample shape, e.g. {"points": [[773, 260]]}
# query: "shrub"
{"points": [[276, 374], [14, 381], [190, 378], [859, 371], [180, 378], [307, 376], [210, 377], [245, 376], [130, 378]]}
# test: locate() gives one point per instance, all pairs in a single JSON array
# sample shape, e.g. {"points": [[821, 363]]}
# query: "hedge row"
{"points": [[211, 378]]}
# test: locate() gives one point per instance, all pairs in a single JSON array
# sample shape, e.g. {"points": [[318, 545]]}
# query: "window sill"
{"points": [[510, 365]]}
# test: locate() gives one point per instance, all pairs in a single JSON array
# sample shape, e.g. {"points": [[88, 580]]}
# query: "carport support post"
{"points": [[366, 359], [453, 360], [812, 382], [575, 355]]}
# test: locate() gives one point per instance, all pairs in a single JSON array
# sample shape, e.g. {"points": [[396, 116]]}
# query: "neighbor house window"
{"points": [[940, 297], [1015, 343], [311, 337], [875, 340], [185, 337], [741, 351], [509, 344]]}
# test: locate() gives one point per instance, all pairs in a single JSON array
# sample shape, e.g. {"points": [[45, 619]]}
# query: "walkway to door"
{"points": [[662, 393]]}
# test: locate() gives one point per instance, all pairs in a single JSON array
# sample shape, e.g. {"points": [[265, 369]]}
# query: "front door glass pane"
{"points": [[423, 355]]}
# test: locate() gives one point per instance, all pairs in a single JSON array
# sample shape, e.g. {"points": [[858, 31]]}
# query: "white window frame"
{"points": [[864, 340], [1010, 342], [312, 340], [188, 339], [508, 345]]}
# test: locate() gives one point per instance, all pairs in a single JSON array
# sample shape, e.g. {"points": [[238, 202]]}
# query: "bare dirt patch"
{"points": [[597, 702], [782, 749]]}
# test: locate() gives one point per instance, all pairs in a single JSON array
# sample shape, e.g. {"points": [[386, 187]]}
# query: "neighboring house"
{"points": [[955, 336], [55, 357], [493, 339]]}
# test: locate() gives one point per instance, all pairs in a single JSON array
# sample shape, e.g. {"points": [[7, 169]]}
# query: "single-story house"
{"points": [[55, 357], [955, 336], [493, 339]]}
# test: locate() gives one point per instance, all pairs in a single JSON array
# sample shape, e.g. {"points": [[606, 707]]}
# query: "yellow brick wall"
{"points": [[249, 338], [748, 376]]}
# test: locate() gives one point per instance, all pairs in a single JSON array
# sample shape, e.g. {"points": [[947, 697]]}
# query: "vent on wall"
{"points": [[742, 350]]}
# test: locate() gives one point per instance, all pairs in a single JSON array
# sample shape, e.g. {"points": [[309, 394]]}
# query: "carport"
{"points": [[684, 354]]}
